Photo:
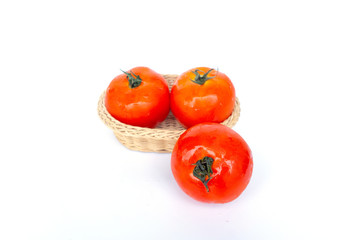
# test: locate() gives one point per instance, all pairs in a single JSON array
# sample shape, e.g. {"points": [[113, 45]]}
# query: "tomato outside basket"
{"points": [[163, 137]]}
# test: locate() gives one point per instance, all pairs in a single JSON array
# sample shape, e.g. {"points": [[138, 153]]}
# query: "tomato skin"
{"points": [[192, 103], [143, 106], [232, 166]]}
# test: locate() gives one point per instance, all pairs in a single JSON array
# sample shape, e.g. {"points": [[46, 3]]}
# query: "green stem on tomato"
{"points": [[203, 170], [201, 79], [134, 81]]}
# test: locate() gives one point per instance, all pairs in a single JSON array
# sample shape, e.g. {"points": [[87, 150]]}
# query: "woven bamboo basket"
{"points": [[160, 139]]}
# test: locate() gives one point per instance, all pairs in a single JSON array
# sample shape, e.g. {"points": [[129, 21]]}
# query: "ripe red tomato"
{"points": [[202, 95], [139, 97], [212, 163]]}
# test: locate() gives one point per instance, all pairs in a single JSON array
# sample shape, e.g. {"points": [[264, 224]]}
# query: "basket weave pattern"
{"points": [[159, 139]]}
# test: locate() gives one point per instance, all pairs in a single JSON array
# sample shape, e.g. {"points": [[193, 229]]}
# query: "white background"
{"points": [[296, 69]]}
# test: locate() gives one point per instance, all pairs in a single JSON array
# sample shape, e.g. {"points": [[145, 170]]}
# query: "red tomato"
{"points": [[139, 97], [212, 163], [202, 95]]}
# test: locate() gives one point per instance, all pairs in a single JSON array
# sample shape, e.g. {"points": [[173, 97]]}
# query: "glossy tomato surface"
{"points": [[139, 97], [212, 163], [202, 95]]}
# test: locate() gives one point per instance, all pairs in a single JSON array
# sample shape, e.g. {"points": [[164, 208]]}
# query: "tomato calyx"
{"points": [[134, 81], [203, 170], [201, 79]]}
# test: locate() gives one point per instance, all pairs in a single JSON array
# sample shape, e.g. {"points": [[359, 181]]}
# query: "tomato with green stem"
{"points": [[212, 163], [139, 97], [202, 95]]}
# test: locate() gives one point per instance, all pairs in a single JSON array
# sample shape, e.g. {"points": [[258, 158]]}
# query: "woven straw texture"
{"points": [[159, 139]]}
